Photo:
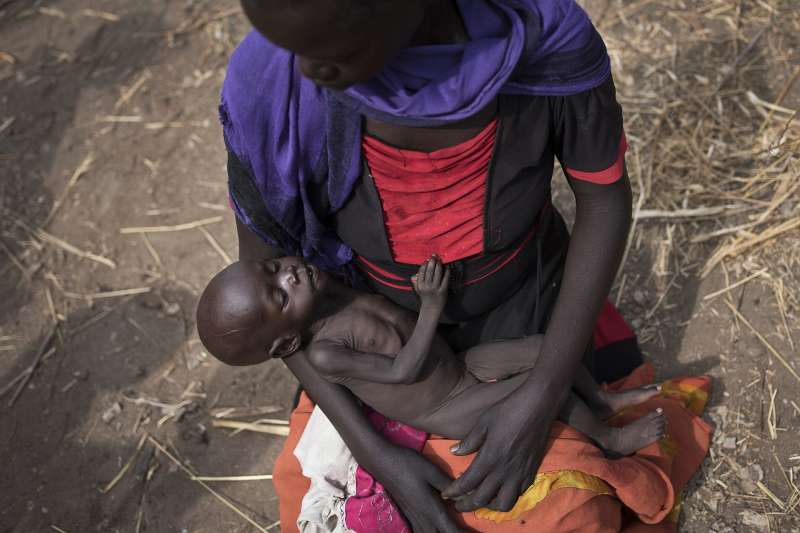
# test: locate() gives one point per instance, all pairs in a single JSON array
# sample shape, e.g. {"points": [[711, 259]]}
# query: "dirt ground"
{"points": [[108, 123]]}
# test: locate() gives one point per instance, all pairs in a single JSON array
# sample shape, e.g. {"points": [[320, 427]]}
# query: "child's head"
{"points": [[254, 310], [339, 43]]}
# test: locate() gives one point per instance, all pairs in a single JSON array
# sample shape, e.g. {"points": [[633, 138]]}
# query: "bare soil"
{"points": [[108, 121]]}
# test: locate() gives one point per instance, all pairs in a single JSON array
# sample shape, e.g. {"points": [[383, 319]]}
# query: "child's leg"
{"points": [[458, 414], [616, 442], [498, 360], [605, 403]]}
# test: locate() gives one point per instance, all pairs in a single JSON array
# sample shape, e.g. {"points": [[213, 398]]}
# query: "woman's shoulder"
{"points": [[564, 54], [254, 66], [261, 91], [263, 78]]}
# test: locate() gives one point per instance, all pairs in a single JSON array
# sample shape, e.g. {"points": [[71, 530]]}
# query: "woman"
{"points": [[365, 135]]}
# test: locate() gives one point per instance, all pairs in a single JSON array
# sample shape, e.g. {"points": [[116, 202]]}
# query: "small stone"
{"points": [[719, 415], [729, 443], [709, 499], [111, 413], [639, 297], [171, 309], [755, 472], [759, 522], [744, 477], [151, 300], [195, 358]]}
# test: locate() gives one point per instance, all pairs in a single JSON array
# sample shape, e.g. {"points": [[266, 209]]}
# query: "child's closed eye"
{"points": [[281, 296]]}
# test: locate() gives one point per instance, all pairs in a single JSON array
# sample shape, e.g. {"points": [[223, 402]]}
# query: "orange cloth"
{"points": [[577, 489]]}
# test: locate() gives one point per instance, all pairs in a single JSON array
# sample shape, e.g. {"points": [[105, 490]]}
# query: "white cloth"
{"points": [[328, 463]]}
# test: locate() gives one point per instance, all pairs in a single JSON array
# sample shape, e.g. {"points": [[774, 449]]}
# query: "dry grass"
{"points": [[713, 149], [710, 90]]}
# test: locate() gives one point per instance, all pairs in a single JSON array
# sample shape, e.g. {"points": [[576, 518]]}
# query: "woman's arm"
{"points": [[512, 444], [413, 481]]}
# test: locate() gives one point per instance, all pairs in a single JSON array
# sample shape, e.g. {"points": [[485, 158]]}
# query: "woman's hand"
{"points": [[415, 485], [512, 437]]}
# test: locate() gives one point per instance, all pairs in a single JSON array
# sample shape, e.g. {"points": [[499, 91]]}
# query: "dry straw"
{"points": [[205, 486]]}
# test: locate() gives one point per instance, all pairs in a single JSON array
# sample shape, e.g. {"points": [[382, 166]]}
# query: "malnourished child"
{"points": [[391, 359]]}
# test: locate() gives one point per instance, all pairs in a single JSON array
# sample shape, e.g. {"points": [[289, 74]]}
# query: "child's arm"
{"points": [[336, 360]]}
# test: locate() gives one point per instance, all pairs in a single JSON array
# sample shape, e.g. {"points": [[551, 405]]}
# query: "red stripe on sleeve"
{"points": [[609, 175]]}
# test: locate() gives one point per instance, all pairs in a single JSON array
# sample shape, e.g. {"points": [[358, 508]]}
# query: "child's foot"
{"points": [[635, 436], [614, 401]]}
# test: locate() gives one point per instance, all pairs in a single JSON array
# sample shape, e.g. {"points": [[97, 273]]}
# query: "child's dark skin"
{"points": [[390, 359]]}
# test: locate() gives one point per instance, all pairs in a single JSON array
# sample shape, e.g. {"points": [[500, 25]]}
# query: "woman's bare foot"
{"points": [[618, 442], [614, 401]]}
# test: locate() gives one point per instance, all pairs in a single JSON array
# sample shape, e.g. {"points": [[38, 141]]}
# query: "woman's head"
{"points": [[254, 310], [338, 42]]}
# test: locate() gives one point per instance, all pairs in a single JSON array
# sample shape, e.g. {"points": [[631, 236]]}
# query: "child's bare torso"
{"points": [[372, 324]]}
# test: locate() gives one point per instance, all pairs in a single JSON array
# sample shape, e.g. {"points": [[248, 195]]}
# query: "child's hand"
{"points": [[431, 282]]}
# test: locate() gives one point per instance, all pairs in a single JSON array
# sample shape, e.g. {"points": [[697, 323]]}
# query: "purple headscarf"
{"points": [[296, 139]]}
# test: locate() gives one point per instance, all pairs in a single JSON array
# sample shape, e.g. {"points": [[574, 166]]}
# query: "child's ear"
{"points": [[285, 346]]}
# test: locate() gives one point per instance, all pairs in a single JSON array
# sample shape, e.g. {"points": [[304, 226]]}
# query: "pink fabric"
{"points": [[371, 510]]}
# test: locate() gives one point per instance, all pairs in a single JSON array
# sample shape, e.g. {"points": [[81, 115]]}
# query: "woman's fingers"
{"points": [[438, 479], [472, 442], [469, 480], [437, 273], [482, 495], [508, 493]]}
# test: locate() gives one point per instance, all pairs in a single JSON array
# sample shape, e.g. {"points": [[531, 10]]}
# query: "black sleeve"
{"points": [[589, 137], [249, 207]]}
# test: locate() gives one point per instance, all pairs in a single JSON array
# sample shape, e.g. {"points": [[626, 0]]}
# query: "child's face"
{"points": [[254, 310], [260, 309], [338, 44], [288, 290]]}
